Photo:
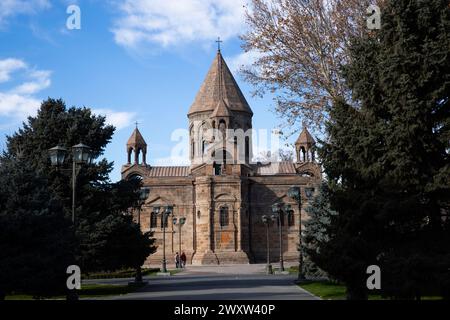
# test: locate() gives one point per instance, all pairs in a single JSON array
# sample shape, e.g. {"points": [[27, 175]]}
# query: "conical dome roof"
{"points": [[218, 85], [305, 138], [136, 139], [221, 110]]}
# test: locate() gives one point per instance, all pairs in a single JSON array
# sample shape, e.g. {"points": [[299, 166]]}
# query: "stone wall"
{"points": [[203, 239]]}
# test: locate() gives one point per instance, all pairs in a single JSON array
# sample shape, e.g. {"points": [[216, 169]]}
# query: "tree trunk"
{"points": [[138, 277], [72, 295], [356, 293]]}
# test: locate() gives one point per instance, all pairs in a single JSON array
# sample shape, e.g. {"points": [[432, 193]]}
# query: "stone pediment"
{"points": [[225, 197], [308, 169]]}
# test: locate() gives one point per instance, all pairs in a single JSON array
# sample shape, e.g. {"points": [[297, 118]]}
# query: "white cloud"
{"points": [[40, 80], [10, 8], [171, 22], [236, 63], [20, 101], [17, 106], [8, 66], [118, 119]]}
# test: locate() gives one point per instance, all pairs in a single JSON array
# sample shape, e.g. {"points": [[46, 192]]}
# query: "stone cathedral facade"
{"points": [[222, 195]]}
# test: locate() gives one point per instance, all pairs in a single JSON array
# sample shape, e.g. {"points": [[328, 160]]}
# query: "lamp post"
{"points": [[278, 210], [295, 193], [179, 222], [81, 154], [166, 211], [267, 220], [143, 195]]}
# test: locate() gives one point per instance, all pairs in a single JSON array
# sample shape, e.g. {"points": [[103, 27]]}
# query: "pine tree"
{"points": [[108, 238], [388, 160], [315, 231], [37, 242]]}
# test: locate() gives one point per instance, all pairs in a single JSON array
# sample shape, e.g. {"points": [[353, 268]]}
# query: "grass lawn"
{"points": [[325, 290], [331, 291], [101, 290], [87, 291], [127, 273]]}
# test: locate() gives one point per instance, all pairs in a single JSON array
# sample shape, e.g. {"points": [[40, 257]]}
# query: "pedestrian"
{"points": [[177, 260], [183, 259]]}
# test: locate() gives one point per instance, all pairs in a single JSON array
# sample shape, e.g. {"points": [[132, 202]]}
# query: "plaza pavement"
{"points": [[233, 282]]}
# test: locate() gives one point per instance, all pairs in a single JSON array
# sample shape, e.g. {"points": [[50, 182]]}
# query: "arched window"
{"points": [[164, 221], [303, 154], [224, 218], [222, 129], [217, 169], [204, 147], [281, 219], [247, 150], [291, 218], [136, 176], [153, 220]]}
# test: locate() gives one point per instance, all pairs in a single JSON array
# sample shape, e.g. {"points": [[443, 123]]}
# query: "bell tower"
{"points": [[136, 144], [304, 146], [217, 113]]}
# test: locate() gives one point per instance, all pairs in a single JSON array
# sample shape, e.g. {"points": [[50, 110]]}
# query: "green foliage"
{"points": [[388, 160], [106, 236], [125, 273], [36, 241], [315, 231]]}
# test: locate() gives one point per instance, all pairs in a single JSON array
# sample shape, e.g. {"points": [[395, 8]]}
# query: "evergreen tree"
{"points": [[108, 238], [388, 160], [36, 241], [315, 231]]}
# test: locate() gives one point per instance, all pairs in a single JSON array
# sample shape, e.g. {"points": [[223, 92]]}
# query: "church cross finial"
{"points": [[136, 124], [218, 43]]}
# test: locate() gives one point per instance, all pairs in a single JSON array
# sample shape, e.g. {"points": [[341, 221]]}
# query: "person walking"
{"points": [[177, 260], [183, 260]]}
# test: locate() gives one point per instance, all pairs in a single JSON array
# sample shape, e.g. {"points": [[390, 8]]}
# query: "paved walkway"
{"points": [[236, 282]]}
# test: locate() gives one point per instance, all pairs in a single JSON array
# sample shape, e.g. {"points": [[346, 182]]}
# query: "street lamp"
{"points": [[57, 155], [179, 222], [278, 209], [81, 154], [167, 211], [143, 195], [295, 193], [267, 220]]}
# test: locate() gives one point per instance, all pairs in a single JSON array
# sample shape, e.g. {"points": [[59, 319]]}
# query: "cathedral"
{"points": [[220, 199]]}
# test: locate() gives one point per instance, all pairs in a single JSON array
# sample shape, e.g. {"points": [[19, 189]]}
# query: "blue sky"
{"points": [[131, 61]]}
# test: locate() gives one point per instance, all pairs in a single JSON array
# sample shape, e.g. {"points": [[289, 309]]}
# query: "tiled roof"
{"points": [[275, 168], [168, 171], [219, 84], [136, 139], [221, 109], [305, 137]]}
